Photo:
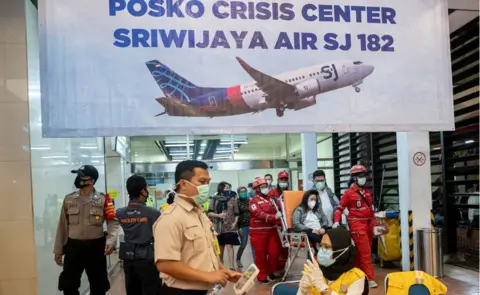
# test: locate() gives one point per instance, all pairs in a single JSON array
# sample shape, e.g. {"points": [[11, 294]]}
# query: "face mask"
{"points": [[361, 181], [311, 204], [324, 256], [265, 191], [243, 195], [320, 185], [269, 182], [283, 184], [79, 183], [203, 193]]}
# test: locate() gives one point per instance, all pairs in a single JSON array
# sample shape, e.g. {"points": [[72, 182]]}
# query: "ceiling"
{"points": [[215, 147]]}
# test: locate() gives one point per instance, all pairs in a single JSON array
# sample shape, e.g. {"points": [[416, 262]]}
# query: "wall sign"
{"points": [[154, 67], [419, 159]]}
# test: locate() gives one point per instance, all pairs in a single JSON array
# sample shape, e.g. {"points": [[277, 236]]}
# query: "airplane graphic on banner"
{"points": [[293, 90]]}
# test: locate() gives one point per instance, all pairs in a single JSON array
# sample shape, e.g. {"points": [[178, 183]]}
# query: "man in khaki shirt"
{"points": [[186, 247], [80, 236]]}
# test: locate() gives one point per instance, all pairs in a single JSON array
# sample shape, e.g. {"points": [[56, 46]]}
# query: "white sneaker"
{"points": [[372, 284]]}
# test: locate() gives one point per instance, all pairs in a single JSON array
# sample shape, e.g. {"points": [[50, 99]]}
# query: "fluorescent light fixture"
{"points": [[469, 141], [40, 148], [177, 144], [95, 161], [84, 156], [178, 153], [88, 147], [55, 157], [97, 156], [235, 142]]}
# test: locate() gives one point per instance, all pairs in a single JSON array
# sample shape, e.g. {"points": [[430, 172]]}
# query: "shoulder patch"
{"points": [[254, 207]]}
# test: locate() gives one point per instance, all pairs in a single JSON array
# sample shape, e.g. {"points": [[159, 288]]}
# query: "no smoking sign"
{"points": [[419, 158]]}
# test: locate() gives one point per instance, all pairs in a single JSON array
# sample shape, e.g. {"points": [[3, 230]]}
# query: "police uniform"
{"points": [[141, 275], [184, 233], [80, 237]]}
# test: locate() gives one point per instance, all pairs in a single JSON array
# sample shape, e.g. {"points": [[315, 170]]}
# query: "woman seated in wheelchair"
{"points": [[335, 273], [309, 218]]}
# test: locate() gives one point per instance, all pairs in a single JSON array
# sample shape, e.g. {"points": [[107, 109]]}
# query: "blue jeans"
{"points": [[243, 243]]}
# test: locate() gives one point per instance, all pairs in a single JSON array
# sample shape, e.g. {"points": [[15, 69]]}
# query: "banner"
{"points": [[171, 67]]}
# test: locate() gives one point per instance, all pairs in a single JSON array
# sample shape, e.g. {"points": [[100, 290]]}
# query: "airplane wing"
{"points": [[273, 87]]}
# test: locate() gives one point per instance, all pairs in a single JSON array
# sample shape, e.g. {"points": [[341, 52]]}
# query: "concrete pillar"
{"points": [[18, 273], [309, 158], [414, 185]]}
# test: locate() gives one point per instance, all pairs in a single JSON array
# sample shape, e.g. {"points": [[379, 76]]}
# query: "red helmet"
{"points": [[258, 182], [356, 169], [282, 174]]}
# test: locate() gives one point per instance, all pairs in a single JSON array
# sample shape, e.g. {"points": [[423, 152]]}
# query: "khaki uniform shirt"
{"points": [[82, 218], [184, 233]]}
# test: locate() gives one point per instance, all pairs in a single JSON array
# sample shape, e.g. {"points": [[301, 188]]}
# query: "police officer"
{"points": [[80, 236], [186, 247], [137, 219]]}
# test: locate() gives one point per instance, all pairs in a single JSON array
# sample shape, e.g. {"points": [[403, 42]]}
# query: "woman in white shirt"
{"points": [[334, 274], [308, 217]]}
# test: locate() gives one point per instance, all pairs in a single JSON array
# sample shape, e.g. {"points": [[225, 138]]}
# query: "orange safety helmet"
{"points": [[258, 182], [356, 169], [282, 174]]}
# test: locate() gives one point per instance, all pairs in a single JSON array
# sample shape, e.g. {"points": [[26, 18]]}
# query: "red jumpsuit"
{"points": [[275, 194], [361, 221], [264, 236]]}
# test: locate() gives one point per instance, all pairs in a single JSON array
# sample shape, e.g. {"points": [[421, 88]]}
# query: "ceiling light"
{"points": [[97, 156], [235, 142], [84, 156], [88, 147], [55, 157], [177, 144], [178, 153], [469, 141], [40, 148], [95, 161]]}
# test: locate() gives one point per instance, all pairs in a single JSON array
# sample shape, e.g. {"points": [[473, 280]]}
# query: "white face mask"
{"points": [[361, 181], [265, 191], [311, 204]]}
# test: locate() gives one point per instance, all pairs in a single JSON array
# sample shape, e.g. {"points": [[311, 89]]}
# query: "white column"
{"points": [[309, 158], [414, 185]]}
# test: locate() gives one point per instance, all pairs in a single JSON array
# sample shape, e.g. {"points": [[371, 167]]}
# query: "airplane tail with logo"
{"points": [[173, 85]]}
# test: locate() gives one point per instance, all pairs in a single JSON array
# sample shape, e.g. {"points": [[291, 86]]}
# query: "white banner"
{"points": [[158, 67]]}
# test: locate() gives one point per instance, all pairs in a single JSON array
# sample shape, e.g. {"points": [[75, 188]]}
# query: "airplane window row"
{"points": [[357, 62], [314, 74], [294, 79]]}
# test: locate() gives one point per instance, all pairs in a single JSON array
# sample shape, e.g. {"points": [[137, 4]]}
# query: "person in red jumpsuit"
{"points": [[282, 185], [263, 232], [361, 219]]}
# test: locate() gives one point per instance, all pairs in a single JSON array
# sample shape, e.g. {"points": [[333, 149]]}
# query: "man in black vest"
{"points": [[137, 219]]}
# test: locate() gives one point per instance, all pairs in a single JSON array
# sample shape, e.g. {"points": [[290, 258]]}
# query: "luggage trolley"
{"points": [[294, 241]]}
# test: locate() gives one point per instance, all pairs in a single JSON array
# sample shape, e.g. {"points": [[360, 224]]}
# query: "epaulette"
{"points": [[168, 211]]}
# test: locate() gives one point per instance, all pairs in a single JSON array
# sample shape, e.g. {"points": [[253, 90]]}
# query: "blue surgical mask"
{"points": [[265, 191], [325, 256]]}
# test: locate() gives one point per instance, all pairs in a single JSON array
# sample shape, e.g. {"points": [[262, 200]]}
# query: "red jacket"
{"points": [[357, 207], [263, 213]]}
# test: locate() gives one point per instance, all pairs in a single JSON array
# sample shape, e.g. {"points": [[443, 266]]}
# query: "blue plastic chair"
{"points": [[285, 288]]}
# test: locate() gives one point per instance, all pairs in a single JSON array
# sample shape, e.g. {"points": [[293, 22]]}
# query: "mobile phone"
{"points": [[246, 282]]}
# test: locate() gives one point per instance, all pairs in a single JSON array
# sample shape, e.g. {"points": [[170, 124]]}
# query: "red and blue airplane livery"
{"points": [[294, 90]]}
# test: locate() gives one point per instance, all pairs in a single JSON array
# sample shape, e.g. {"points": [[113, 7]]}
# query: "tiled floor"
{"points": [[461, 282]]}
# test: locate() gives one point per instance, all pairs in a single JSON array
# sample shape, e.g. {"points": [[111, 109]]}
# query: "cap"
{"points": [[282, 174], [87, 170]]}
